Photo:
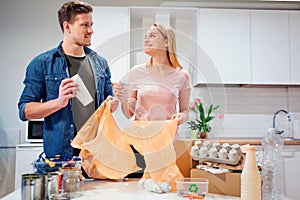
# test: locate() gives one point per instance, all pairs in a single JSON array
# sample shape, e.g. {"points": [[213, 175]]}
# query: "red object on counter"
{"points": [[194, 196]]}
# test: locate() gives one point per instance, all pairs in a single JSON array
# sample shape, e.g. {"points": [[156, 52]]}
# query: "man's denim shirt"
{"points": [[43, 77]]}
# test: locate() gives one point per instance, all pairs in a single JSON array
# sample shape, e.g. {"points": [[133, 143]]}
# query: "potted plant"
{"points": [[201, 124]]}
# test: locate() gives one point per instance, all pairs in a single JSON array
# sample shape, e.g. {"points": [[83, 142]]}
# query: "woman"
{"points": [[154, 90], [158, 90]]}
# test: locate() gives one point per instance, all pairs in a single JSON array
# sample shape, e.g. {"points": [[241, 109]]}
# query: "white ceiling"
{"points": [[277, 4]]}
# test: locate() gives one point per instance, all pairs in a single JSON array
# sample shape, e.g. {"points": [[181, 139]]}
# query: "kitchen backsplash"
{"points": [[249, 111]]}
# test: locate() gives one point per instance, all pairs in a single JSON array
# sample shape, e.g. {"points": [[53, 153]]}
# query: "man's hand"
{"points": [[36, 110], [67, 90]]}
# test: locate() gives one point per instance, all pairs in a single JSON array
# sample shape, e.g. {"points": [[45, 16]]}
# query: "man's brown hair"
{"points": [[70, 9]]}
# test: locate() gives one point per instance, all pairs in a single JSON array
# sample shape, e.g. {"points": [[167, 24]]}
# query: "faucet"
{"points": [[278, 111]]}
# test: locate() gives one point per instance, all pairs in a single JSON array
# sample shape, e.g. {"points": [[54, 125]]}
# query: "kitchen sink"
{"points": [[289, 138]]}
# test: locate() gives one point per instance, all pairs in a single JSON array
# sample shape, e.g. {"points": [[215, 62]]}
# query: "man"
{"points": [[49, 91]]}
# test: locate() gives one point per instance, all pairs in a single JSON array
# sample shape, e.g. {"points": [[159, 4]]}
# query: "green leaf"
{"points": [[202, 114], [216, 107], [210, 110], [209, 118], [198, 121], [206, 128]]}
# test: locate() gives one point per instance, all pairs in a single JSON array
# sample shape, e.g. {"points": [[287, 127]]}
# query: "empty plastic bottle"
{"points": [[272, 166]]}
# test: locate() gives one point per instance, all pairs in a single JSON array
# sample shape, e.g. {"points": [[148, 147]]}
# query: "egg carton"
{"points": [[216, 152]]}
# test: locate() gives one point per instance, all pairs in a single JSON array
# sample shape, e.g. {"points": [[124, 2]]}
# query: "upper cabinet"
{"points": [[240, 46], [270, 47], [224, 46], [294, 17], [111, 38], [217, 46]]}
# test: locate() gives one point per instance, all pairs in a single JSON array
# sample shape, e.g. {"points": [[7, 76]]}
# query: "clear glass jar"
{"points": [[71, 183]]}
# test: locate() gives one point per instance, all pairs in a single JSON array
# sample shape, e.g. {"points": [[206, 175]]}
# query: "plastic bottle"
{"points": [[272, 166], [152, 186], [250, 177]]}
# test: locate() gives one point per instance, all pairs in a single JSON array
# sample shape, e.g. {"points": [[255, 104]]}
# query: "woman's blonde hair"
{"points": [[168, 33]]}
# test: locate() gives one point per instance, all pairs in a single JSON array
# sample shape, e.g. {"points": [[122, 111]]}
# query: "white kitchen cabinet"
{"points": [[224, 38], [291, 155], [10, 138], [25, 155], [111, 38], [270, 47], [294, 19]]}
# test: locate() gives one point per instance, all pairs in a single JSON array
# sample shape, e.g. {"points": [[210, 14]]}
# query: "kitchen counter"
{"points": [[125, 190], [243, 141], [183, 146], [255, 141]]}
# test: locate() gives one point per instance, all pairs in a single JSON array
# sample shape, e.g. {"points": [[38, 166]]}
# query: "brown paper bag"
{"points": [[154, 139], [104, 152]]}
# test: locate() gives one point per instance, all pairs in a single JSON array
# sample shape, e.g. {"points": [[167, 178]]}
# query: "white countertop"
{"points": [[124, 190], [30, 145]]}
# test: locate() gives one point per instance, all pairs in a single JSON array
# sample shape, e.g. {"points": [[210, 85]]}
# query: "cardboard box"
{"points": [[225, 183], [184, 160]]}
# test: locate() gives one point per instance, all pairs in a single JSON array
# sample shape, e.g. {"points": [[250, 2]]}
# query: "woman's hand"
{"points": [[113, 104], [120, 90], [179, 117], [128, 102]]}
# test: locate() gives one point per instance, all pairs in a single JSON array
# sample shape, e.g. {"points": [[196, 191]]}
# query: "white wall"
{"points": [[249, 111], [27, 28]]}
